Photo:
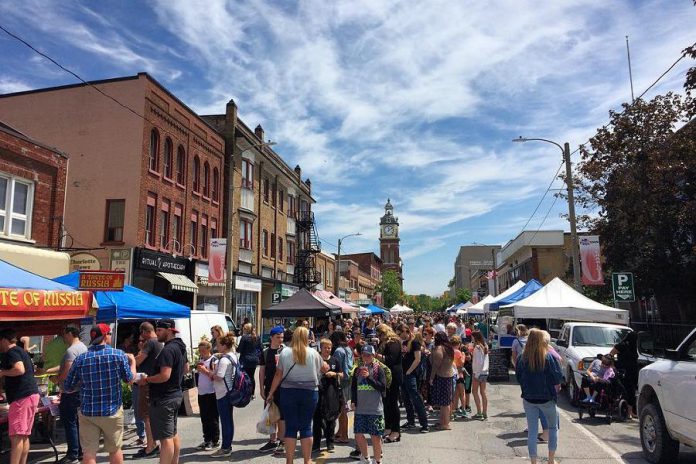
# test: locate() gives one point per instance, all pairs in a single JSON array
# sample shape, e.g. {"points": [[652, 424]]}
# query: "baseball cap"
{"points": [[369, 349], [98, 332], [279, 329], [167, 324]]}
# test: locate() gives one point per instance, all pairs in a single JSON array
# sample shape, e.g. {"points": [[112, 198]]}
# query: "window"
{"points": [[213, 228], [281, 200], [115, 214], [168, 157], [193, 237], [291, 252], [150, 220], [206, 180], [216, 184], [177, 229], [154, 150], [274, 196], [196, 174], [245, 234], [273, 246], [204, 236], [264, 239], [292, 206], [280, 248], [164, 224], [16, 201], [266, 190], [247, 174], [181, 166]]}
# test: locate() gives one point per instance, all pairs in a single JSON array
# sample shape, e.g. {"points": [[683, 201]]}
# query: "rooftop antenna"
{"points": [[630, 71]]}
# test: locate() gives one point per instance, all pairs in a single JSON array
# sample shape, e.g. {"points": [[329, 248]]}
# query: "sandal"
{"points": [[392, 440]]}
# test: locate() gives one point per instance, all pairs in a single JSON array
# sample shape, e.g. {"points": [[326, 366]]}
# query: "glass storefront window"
{"points": [[246, 306]]}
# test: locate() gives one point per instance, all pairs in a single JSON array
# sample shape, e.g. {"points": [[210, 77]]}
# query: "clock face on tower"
{"points": [[389, 230]]}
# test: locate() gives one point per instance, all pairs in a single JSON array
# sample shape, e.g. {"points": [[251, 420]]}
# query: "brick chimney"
{"points": [[298, 171], [309, 184], [259, 132]]}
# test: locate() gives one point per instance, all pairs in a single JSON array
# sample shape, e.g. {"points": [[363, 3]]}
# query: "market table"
{"points": [[45, 418]]}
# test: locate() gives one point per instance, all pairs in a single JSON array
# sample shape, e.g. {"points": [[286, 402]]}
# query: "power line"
{"points": [[553, 179]]}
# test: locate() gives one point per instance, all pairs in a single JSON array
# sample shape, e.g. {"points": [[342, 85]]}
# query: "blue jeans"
{"points": [[226, 413], [139, 423], [545, 423], [298, 408], [412, 399], [69, 404], [533, 413]]}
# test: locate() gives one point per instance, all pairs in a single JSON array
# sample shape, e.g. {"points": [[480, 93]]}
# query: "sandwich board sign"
{"points": [[622, 284]]}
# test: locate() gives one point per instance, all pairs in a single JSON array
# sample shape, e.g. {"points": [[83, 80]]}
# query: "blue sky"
{"points": [[417, 101]]}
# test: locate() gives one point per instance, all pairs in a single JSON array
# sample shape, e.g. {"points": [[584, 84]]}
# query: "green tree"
{"points": [[463, 295], [639, 174], [390, 288]]}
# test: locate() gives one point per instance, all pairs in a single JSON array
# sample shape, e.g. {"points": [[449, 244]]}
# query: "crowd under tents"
{"points": [[527, 290], [558, 300]]}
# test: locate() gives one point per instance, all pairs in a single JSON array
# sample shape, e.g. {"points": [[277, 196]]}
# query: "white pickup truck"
{"points": [[667, 403], [581, 340]]}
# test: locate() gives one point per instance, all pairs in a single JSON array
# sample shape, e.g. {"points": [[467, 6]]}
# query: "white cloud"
{"points": [[10, 85]]}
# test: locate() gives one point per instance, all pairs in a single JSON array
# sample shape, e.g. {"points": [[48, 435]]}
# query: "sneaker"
{"points": [[142, 454], [222, 453], [478, 416], [280, 449], [206, 445], [425, 429], [468, 409], [355, 454], [67, 460], [485, 416], [268, 447], [330, 447], [408, 426]]}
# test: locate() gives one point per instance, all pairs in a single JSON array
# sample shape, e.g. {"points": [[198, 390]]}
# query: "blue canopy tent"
{"points": [[529, 288], [131, 303], [374, 309]]}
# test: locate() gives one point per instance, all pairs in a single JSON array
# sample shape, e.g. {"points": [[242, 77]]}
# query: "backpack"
{"points": [[331, 401], [241, 391]]}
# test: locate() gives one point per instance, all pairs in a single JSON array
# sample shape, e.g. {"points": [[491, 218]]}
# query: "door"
{"points": [[680, 383]]}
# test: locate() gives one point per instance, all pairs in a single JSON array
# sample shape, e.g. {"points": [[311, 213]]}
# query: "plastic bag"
{"points": [[264, 426], [273, 413]]}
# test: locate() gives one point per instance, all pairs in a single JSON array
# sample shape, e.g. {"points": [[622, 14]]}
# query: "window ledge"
{"points": [[216, 202], [206, 198], [195, 193], [15, 238], [168, 180], [181, 186], [154, 173], [112, 243]]}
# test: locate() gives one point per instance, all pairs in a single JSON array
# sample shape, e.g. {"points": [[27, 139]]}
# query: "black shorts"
{"points": [[163, 417]]}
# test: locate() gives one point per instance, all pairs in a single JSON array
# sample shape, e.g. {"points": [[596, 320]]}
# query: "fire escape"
{"points": [[306, 275]]}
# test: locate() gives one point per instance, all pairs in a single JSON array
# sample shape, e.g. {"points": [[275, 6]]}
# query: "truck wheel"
{"points": [[572, 388], [658, 446]]}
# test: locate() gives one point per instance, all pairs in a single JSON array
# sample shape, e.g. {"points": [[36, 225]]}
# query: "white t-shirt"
{"points": [[303, 377], [440, 328], [205, 383], [225, 373]]}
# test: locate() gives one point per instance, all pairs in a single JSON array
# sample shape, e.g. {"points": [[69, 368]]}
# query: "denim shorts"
{"points": [[482, 378]]}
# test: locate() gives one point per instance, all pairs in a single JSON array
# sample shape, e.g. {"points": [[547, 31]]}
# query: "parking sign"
{"points": [[622, 283]]}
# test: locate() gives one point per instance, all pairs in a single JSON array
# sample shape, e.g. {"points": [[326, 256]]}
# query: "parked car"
{"points": [[666, 404], [580, 342]]}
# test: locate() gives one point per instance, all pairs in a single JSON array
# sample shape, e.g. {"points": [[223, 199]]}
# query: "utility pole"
{"points": [[338, 261], [573, 220]]}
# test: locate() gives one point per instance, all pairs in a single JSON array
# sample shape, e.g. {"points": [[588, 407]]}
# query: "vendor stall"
{"points": [[525, 291], [301, 304], [346, 308]]}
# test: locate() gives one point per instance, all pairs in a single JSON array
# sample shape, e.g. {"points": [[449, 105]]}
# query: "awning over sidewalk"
{"points": [[329, 297], [46, 263], [179, 282]]}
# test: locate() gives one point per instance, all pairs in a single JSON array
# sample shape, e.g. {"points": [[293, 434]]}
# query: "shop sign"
{"points": [[43, 304], [160, 262], [247, 284], [103, 281], [120, 260], [218, 251], [591, 262], [84, 262]]}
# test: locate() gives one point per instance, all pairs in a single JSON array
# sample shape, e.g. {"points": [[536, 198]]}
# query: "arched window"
{"points": [[168, 157], [216, 184], [196, 174], [206, 179], [181, 166], [154, 150]]}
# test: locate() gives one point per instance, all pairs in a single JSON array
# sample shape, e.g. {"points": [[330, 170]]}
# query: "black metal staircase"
{"points": [[308, 246]]}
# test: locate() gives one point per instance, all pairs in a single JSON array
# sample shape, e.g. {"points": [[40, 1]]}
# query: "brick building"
{"points": [[471, 266], [32, 199], [145, 183], [268, 197], [326, 272], [364, 282]]}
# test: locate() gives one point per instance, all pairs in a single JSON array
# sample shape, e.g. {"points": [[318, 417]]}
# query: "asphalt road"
{"points": [[499, 440]]}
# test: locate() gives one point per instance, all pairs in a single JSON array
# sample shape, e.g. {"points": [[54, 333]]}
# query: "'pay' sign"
{"points": [[622, 283]]}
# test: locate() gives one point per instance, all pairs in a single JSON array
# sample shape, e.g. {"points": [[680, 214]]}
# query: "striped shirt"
{"points": [[99, 373]]}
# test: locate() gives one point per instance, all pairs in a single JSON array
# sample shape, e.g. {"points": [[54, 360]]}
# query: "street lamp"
{"points": [[175, 249], [338, 260], [229, 287], [565, 149]]}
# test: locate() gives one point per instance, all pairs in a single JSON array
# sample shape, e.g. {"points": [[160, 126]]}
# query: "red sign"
{"points": [[103, 281], [591, 259], [16, 304]]}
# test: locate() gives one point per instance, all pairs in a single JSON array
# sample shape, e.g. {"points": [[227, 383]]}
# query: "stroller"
{"points": [[611, 401]]}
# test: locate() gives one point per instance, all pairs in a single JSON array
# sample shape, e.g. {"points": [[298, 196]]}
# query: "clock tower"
{"points": [[389, 241]]}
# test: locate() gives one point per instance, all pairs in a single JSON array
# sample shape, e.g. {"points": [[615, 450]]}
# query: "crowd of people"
{"points": [[311, 378]]}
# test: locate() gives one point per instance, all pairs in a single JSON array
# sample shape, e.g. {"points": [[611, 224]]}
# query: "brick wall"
{"points": [[48, 170]]}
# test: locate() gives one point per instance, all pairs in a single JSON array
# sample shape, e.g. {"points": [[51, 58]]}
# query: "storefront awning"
{"points": [[179, 282], [46, 263]]}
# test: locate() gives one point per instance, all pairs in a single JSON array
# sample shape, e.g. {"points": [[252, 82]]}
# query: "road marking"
{"points": [[325, 454], [609, 450]]}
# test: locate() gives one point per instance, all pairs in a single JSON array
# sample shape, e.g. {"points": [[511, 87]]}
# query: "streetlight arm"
{"points": [[526, 139]]}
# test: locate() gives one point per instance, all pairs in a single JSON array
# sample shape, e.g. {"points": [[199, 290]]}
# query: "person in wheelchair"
{"points": [[598, 377]]}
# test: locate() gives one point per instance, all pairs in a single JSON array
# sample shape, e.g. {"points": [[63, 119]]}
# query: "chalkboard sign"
{"points": [[498, 362]]}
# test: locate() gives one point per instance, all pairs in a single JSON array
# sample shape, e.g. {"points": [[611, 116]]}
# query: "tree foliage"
{"points": [[639, 173], [463, 295], [390, 288]]}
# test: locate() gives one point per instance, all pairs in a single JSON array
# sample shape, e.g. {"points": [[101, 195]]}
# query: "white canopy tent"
{"points": [[400, 309], [477, 309], [464, 307], [519, 284], [558, 300]]}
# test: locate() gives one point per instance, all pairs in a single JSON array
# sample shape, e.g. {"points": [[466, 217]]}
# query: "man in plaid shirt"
{"points": [[99, 373]]}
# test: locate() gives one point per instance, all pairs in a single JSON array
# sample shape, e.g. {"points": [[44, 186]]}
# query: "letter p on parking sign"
{"points": [[622, 284]]}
